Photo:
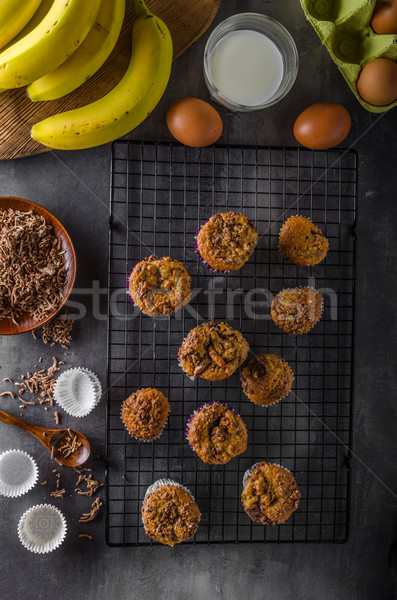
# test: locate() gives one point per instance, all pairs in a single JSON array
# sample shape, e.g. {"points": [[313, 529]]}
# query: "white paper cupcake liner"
{"points": [[18, 473], [249, 471], [42, 528], [77, 391]]}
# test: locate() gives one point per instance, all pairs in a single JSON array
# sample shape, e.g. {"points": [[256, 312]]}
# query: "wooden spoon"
{"points": [[54, 439]]}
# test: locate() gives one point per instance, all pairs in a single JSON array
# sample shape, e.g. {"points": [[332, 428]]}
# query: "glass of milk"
{"points": [[250, 62]]}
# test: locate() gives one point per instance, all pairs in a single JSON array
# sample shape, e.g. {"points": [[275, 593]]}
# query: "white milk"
{"points": [[246, 67]]}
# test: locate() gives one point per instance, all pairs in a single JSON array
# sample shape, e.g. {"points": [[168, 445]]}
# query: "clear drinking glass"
{"points": [[276, 33]]}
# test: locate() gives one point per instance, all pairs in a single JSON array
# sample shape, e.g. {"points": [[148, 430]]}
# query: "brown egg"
{"points": [[377, 82], [384, 19], [322, 125], [194, 122]]}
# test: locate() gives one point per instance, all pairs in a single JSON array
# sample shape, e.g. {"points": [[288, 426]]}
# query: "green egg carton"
{"points": [[344, 27]]}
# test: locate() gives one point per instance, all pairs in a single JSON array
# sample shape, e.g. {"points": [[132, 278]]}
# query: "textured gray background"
{"points": [[75, 187]]}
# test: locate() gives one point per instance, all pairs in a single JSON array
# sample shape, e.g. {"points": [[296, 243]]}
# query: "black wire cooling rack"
{"points": [[160, 195]]}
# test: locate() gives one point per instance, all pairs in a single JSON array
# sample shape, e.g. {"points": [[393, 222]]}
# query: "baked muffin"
{"points": [[145, 413], [302, 243], [226, 241], [266, 379], [213, 351], [160, 286], [296, 311], [270, 494], [217, 433], [170, 514]]}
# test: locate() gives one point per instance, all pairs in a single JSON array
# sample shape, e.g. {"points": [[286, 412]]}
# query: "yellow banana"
{"points": [[87, 59], [128, 104], [53, 40], [38, 16], [14, 14]]}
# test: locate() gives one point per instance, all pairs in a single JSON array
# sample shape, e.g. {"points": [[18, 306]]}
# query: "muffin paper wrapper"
{"points": [[249, 471], [42, 528], [198, 410], [18, 473], [77, 391]]}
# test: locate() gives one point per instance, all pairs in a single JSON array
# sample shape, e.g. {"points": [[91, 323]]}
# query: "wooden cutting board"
{"points": [[187, 20]]}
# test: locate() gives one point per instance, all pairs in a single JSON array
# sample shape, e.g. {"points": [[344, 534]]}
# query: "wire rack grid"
{"points": [[160, 195]]}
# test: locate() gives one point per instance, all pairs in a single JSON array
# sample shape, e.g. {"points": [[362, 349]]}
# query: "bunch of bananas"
{"points": [[54, 46]]}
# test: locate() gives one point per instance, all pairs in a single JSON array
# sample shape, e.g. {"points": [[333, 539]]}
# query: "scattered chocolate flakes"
{"points": [[56, 417], [44, 482], [26, 402], [92, 485], [32, 271], [58, 493], [57, 331], [40, 382], [8, 379], [96, 506], [8, 394], [85, 535]]}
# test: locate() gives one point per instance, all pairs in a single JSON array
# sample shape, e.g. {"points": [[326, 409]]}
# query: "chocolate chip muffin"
{"points": [[266, 379], [217, 433], [213, 351], [160, 286], [145, 413], [270, 494], [170, 514], [296, 311], [302, 243], [226, 241]]}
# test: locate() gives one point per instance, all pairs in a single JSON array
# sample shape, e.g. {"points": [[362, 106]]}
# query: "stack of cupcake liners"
{"points": [[77, 391], [18, 473]]}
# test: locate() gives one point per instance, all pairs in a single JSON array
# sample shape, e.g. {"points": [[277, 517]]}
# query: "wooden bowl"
{"points": [[7, 327]]}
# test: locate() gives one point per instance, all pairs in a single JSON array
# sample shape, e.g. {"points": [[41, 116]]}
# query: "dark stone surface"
{"points": [[75, 187]]}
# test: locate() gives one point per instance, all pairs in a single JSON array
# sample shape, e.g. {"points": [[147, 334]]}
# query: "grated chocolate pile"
{"points": [[32, 272], [41, 382]]}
